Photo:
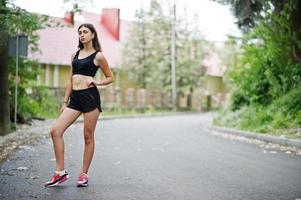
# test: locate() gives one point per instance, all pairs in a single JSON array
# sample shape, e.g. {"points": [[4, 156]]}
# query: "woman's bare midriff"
{"points": [[80, 82]]}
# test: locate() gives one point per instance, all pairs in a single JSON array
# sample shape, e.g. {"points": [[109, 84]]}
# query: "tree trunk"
{"points": [[295, 19], [4, 85]]}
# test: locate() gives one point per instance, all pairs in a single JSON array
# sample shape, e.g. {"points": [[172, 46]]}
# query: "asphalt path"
{"points": [[155, 158]]}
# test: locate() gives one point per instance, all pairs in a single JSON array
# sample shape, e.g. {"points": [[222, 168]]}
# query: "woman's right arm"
{"points": [[68, 89]]}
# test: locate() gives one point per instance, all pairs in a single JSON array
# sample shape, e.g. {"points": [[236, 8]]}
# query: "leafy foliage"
{"points": [[32, 101], [266, 71], [281, 117], [266, 78], [17, 21], [147, 54], [247, 12]]}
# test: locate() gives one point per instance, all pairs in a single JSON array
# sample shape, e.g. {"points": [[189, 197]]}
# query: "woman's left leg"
{"points": [[90, 120]]}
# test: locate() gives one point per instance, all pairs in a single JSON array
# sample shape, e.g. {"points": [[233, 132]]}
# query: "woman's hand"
{"points": [[91, 81], [63, 107]]}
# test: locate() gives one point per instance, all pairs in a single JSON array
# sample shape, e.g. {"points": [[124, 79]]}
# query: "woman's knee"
{"points": [[89, 136], [55, 132]]}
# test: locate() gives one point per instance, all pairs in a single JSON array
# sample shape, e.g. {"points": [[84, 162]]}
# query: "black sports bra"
{"points": [[84, 66]]}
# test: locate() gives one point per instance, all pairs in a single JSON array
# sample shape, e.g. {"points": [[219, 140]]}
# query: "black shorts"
{"points": [[85, 100]]}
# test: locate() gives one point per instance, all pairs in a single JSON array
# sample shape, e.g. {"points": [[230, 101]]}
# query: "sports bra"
{"points": [[84, 66]]}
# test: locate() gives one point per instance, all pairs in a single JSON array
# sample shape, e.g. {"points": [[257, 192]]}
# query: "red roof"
{"points": [[58, 44]]}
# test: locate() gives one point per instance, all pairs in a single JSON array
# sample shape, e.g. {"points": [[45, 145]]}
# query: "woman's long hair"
{"points": [[95, 41]]}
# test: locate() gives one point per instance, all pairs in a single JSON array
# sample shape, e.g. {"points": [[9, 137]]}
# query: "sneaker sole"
{"points": [[82, 184], [65, 178]]}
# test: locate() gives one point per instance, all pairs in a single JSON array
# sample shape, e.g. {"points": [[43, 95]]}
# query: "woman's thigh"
{"points": [[90, 120], [67, 117]]}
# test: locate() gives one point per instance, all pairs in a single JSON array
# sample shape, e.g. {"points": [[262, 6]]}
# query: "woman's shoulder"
{"points": [[99, 55], [101, 59]]}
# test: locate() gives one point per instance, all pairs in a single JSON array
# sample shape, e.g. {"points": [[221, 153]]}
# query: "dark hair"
{"points": [[95, 41]]}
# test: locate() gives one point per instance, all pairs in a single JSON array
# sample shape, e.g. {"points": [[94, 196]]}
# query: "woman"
{"points": [[81, 96]]}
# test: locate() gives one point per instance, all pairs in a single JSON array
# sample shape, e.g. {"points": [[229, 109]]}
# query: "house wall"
{"points": [[215, 85], [41, 75], [63, 75], [51, 71], [55, 78]]}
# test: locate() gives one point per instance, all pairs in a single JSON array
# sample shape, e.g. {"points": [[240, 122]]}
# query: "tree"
{"points": [[135, 49], [4, 95], [267, 75], [270, 65], [13, 21], [147, 53], [190, 53], [250, 12], [147, 49], [247, 12]]}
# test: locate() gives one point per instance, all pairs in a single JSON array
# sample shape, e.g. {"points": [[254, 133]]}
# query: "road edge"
{"points": [[259, 136]]}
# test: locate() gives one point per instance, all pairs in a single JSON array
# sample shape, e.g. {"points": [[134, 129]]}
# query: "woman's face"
{"points": [[85, 35]]}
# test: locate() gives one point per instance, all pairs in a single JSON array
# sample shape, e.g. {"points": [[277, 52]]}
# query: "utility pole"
{"points": [[17, 80], [143, 41], [173, 59]]}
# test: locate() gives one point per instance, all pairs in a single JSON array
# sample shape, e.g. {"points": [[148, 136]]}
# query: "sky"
{"points": [[215, 21]]}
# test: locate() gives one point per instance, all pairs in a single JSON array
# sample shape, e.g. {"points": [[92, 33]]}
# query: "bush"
{"points": [[48, 105], [266, 71], [289, 103], [282, 116]]}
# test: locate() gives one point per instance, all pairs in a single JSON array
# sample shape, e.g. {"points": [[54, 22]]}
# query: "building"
{"points": [[58, 44], [214, 84]]}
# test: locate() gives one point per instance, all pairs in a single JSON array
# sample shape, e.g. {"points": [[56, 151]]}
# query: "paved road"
{"points": [[155, 158]]}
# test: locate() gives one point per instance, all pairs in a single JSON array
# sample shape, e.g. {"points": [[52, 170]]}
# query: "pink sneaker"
{"points": [[57, 179], [82, 180]]}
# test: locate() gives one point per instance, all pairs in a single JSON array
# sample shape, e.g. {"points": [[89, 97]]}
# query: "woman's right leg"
{"points": [[67, 117]]}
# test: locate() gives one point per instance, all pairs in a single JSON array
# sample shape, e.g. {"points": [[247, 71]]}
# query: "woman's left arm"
{"points": [[103, 64]]}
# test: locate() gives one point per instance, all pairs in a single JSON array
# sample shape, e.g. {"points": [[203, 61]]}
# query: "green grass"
{"points": [[281, 117]]}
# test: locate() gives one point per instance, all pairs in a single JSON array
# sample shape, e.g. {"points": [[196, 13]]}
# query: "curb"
{"points": [[142, 115], [259, 136]]}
